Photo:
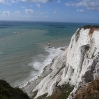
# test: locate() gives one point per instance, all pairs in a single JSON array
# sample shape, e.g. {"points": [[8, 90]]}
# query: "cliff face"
{"points": [[77, 65]]}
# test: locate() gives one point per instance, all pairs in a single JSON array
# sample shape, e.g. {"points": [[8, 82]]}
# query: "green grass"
{"points": [[62, 92], [7, 92], [90, 26]]}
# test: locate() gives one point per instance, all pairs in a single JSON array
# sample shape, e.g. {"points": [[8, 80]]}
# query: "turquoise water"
{"points": [[24, 50]]}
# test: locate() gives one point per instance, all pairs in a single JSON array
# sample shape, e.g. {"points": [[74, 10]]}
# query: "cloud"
{"points": [[38, 5], [14, 1], [8, 2], [89, 4], [29, 11], [80, 10], [58, 1], [6, 13], [18, 12], [23, 7], [2, 1], [55, 12], [5, 2], [43, 1]]}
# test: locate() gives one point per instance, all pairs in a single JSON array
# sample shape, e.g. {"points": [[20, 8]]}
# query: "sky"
{"points": [[50, 10]]}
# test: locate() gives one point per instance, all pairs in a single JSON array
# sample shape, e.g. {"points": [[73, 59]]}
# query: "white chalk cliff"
{"points": [[78, 64]]}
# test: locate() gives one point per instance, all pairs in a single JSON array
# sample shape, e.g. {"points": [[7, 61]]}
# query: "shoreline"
{"points": [[73, 67], [33, 82], [30, 85], [49, 59]]}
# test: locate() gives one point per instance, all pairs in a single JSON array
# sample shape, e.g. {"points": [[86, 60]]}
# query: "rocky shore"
{"points": [[77, 66], [73, 74]]}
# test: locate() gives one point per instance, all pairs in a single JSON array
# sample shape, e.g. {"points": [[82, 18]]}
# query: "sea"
{"points": [[24, 50]]}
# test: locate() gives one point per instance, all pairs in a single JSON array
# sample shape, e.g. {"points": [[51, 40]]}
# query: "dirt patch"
{"points": [[89, 92]]}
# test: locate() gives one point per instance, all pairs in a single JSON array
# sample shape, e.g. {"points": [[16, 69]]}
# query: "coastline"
{"points": [[45, 68], [74, 66], [24, 42], [31, 84]]}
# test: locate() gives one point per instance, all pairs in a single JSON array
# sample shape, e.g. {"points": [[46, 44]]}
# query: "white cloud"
{"points": [[6, 13], [8, 2], [58, 1], [23, 7], [5, 2], [29, 11], [2, 1], [89, 4], [80, 10], [14, 1], [55, 12], [38, 5], [43, 1], [18, 12], [45, 16]]}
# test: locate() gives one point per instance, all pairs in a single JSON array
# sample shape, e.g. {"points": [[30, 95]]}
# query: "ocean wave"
{"points": [[39, 64]]}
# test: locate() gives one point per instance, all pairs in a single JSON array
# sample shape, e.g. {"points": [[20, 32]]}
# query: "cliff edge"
{"points": [[77, 66]]}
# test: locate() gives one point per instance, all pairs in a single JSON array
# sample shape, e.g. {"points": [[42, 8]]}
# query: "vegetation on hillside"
{"points": [[7, 92], [61, 92]]}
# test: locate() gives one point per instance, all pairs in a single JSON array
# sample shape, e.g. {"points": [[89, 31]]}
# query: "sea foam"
{"points": [[38, 65]]}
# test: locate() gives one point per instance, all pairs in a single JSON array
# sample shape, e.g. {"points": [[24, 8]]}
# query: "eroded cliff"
{"points": [[76, 66]]}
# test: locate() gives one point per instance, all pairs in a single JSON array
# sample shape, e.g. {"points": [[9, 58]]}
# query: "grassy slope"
{"points": [[7, 92]]}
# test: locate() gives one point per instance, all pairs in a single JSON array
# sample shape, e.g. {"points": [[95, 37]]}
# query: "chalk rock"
{"points": [[77, 65]]}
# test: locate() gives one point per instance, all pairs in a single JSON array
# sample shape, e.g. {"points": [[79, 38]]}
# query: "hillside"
{"points": [[7, 92], [91, 91]]}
